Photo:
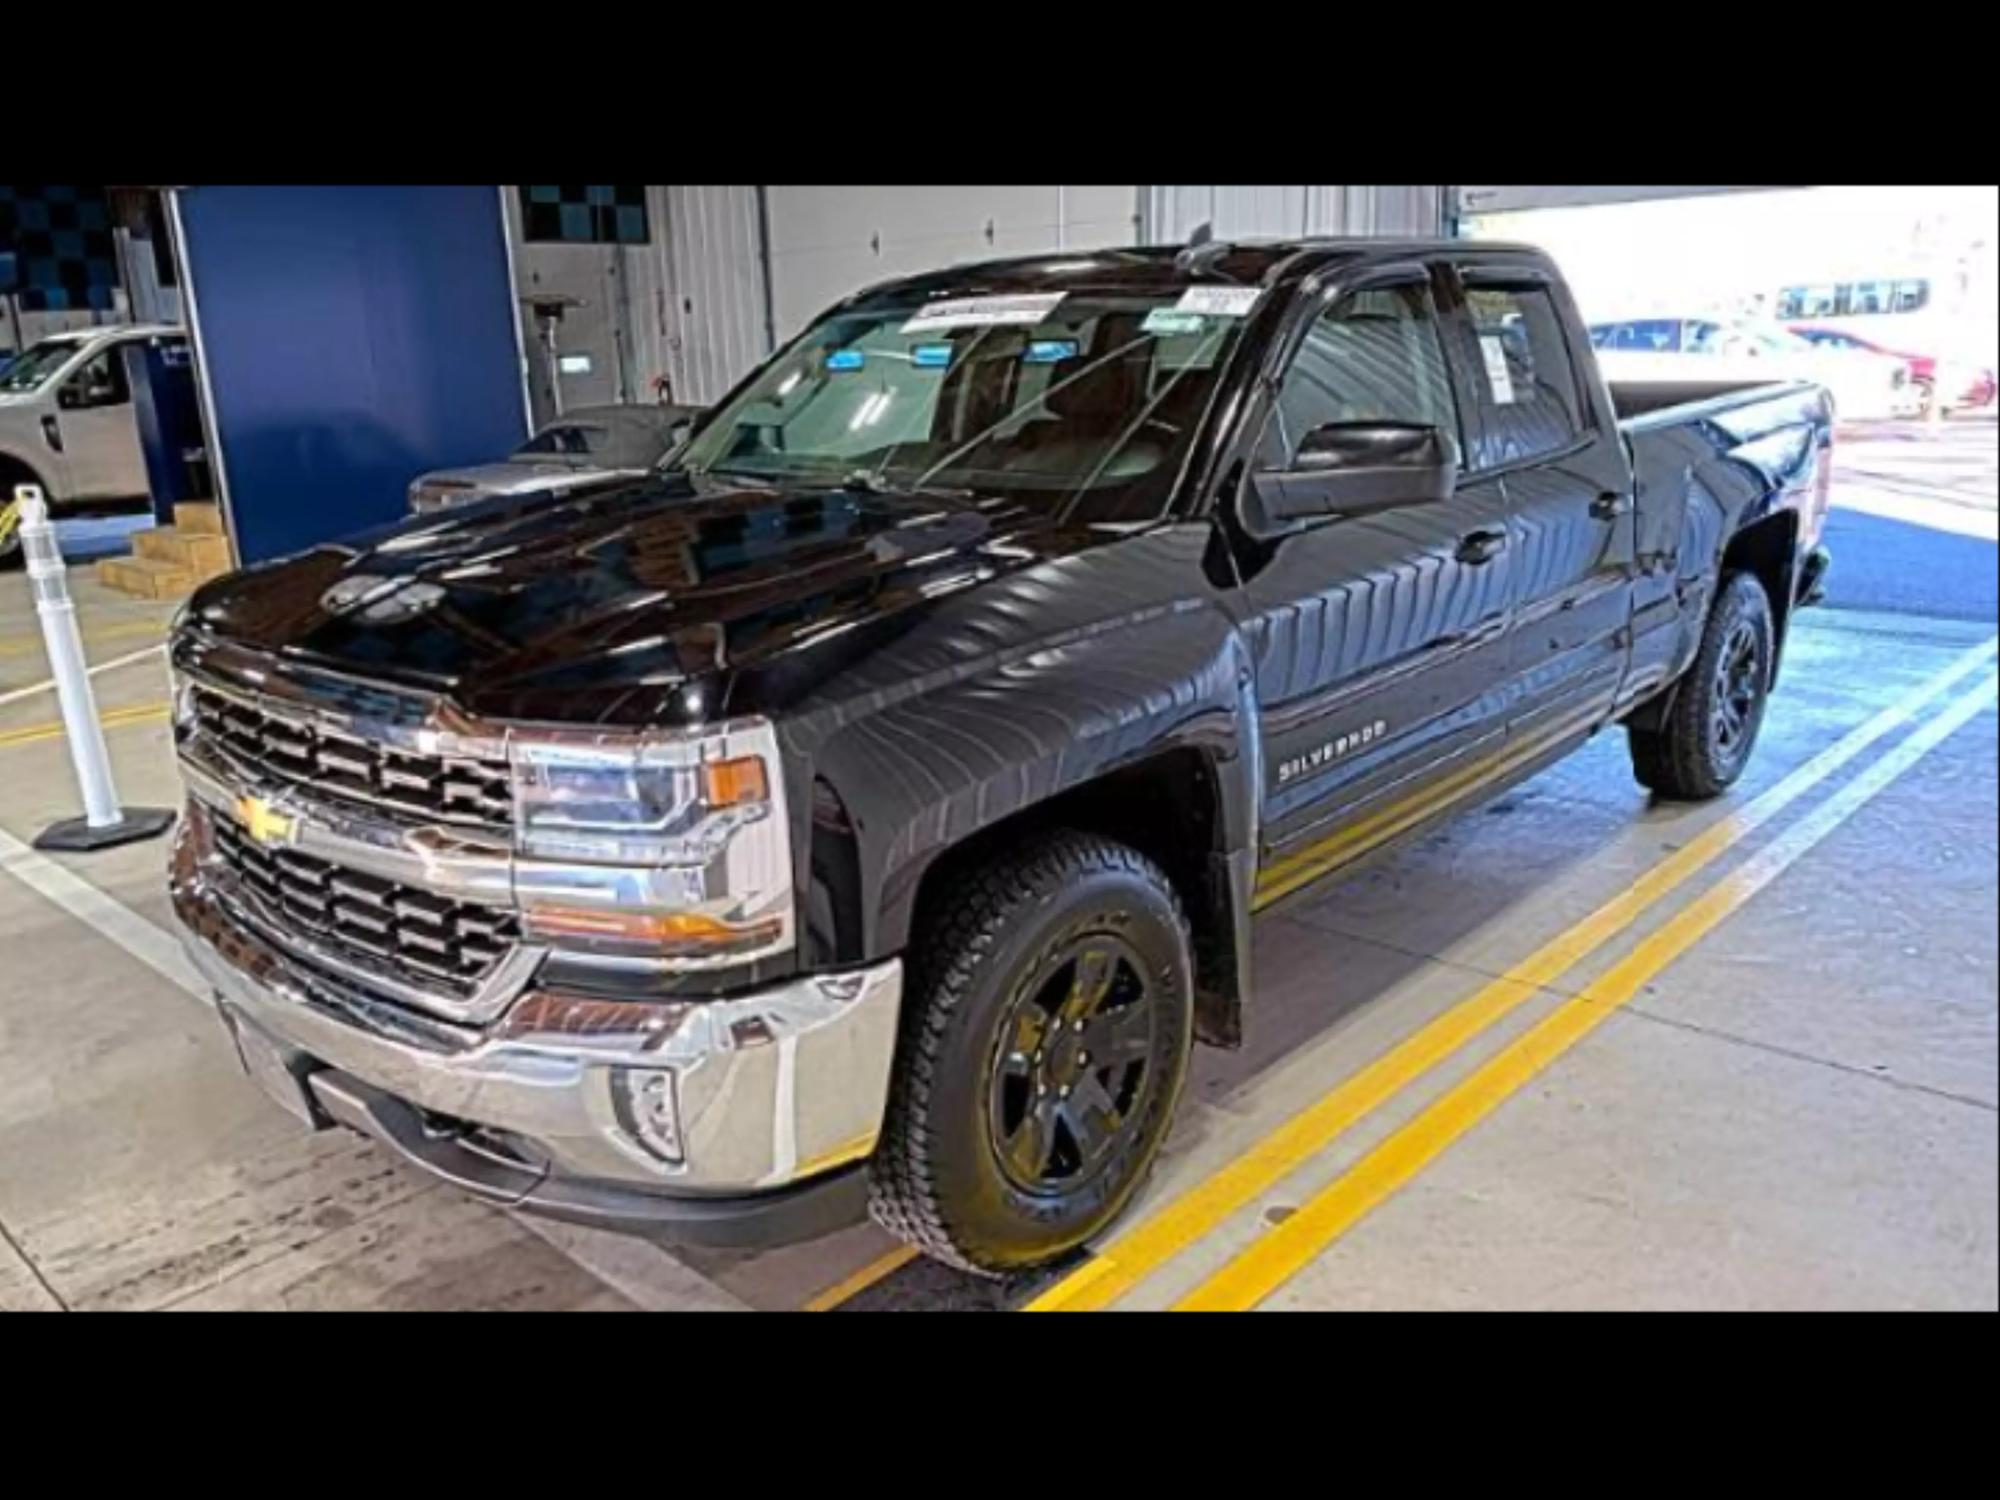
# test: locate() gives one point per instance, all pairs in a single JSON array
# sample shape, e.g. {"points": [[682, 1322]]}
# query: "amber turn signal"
{"points": [[735, 781], [677, 933]]}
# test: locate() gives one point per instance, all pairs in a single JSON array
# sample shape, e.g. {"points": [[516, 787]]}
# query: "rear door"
{"points": [[1545, 436], [1379, 638]]}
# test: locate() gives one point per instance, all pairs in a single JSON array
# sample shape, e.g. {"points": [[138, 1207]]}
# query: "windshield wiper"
{"points": [[872, 482]]}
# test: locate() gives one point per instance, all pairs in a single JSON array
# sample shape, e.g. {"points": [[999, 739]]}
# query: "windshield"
{"points": [[36, 363], [1079, 404]]}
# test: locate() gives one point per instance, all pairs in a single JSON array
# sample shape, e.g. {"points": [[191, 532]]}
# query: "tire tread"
{"points": [[903, 1196]]}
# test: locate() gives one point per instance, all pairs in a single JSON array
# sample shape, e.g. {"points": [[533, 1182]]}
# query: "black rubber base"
{"points": [[76, 836]]}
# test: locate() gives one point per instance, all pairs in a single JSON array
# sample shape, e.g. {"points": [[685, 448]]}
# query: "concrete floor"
{"points": [[1798, 1111]]}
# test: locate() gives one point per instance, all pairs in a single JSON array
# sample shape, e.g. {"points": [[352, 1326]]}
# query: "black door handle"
{"points": [[1610, 503], [1477, 547], [52, 434]]}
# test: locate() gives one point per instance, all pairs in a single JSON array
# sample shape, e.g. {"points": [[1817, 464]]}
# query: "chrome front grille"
{"points": [[449, 946], [281, 749]]}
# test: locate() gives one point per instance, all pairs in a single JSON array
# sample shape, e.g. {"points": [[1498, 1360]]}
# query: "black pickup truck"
{"points": [[872, 805]]}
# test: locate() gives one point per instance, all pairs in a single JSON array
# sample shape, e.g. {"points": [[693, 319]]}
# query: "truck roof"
{"points": [[111, 330], [1259, 262]]}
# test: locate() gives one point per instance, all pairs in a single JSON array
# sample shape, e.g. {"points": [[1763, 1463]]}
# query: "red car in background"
{"points": [[1962, 386]]}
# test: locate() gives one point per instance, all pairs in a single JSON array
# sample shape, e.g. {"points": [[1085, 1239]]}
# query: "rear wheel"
{"points": [[1704, 740], [1044, 1045]]}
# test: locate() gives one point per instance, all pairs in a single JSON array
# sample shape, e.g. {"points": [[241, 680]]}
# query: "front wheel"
{"points": [[1045, 1040], [1704, 741]]}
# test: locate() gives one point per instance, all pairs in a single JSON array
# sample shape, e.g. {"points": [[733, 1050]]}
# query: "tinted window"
{"points": [[101, 381], [1526, 382], [1375, 357]]}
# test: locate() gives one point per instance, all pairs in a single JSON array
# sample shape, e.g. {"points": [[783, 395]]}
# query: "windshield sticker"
{"points": [[1049, 351], [1219, 301], [1166, 320], [1497, 378], [931, 356], [846, 359], [983, 312]]}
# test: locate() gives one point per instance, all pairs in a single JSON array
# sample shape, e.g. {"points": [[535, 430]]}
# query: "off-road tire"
{"points": [[936, 1179], [1689, 757]]}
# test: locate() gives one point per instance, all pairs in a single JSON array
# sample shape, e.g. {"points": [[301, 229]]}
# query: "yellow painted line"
{"points": [[28, 645], [145, 713], [1133, 1255], [1295, 871], [853, 1286], [1282, 1252]]}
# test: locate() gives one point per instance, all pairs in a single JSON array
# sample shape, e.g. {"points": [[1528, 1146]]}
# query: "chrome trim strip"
{"points": [[434, 730]]}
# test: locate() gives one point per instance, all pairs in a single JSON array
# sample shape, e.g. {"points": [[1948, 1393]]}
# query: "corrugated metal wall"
{"points": [[1242, 211], [828, 241], [698, 306], [713, 310]]}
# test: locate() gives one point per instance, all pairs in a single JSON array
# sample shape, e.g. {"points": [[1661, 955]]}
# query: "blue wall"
{"points": [[352, 338]]}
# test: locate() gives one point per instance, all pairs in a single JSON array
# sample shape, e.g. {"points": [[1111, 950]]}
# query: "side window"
{"points": [[100, 382], [1375, 356], [1526, 382]]}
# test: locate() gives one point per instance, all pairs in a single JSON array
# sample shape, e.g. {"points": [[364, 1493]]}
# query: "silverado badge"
{"points": [[1324, 755], [263, 822]]}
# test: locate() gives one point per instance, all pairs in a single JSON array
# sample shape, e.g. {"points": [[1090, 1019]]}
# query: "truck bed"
{"points": [[1656, 403]]}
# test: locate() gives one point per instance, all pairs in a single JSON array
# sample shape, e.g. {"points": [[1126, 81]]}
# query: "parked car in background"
{"points": [[66, 418], [1677, 350], [589, 446], [1958, 384]]}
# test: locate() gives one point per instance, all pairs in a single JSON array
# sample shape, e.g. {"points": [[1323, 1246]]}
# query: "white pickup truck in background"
{"points": [[66, 418]]}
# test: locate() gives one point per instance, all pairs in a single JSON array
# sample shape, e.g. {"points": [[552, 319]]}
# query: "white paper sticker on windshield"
{"points": [[983, 312], [1497, 378], [1219, 301]]}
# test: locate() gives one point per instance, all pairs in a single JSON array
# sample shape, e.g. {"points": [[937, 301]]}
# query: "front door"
{"points": [[1541, 432], [100, 433], [1379, 639]]}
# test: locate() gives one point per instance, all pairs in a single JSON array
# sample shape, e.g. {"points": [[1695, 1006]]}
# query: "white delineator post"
{"points": [[104, 821]]}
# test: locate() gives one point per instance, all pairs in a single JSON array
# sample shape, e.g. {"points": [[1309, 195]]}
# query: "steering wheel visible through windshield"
{"points": [[1078, 404]]}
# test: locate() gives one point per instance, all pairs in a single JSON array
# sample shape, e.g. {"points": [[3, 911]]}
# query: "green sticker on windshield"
{"points": [[1168, 320]]}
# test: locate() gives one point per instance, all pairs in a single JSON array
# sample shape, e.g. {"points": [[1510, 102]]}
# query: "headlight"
{"points": [[669, 849]]}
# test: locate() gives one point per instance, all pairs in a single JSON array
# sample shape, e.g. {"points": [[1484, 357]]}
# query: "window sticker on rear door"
{"points": [[1219, 301], [1497, 379], [983, 312]]}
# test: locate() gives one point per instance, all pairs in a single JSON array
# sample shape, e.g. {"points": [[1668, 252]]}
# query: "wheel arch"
{"points": [[1768, 549], [1174, 807]]}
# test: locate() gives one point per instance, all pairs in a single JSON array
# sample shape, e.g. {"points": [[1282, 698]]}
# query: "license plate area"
{"points": [[280, 1071]]}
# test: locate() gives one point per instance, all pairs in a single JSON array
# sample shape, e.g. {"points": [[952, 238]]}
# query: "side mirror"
{"points": [[1354, 468]]}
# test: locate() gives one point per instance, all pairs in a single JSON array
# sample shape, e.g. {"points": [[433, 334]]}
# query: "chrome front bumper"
{"points": [[772, 1088]]}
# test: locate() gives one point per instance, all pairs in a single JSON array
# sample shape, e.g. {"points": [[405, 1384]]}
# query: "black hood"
{"points": [[658, 602]]}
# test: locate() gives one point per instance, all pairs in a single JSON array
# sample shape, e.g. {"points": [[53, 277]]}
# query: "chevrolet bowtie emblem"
{"points": [[263, 822]]}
